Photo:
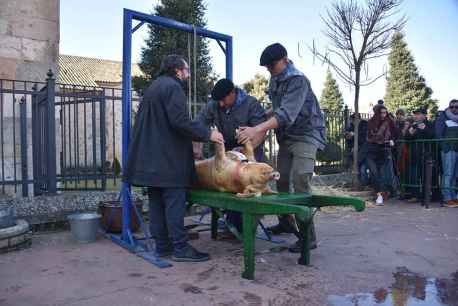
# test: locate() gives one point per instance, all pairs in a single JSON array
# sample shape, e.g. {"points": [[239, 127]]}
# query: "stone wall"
{"points": [[29, 35]]}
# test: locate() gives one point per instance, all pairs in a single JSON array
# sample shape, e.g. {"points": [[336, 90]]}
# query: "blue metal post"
{"points": [[229, 58], [126, 108], [127, 240]]}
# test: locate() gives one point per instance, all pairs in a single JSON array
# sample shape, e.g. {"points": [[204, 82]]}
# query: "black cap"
{"points": [[222, 88], [272, 53], [380, 102], [421, 110]]}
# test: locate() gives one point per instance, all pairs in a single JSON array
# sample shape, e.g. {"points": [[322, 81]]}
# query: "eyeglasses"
{"points": [[454, 106]]}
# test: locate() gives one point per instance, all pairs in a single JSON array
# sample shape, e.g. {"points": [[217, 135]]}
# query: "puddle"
{"points": [[408, 289]]}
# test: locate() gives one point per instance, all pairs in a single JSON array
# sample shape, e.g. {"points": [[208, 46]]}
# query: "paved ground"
{"points": [[357, 253]]}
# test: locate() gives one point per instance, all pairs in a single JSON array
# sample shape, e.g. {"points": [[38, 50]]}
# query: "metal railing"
{"points": [[420, 165], [87, 134]]}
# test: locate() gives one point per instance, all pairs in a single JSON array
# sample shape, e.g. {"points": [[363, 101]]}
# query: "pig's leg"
{"points": [[250, 191], [219, 156], [249, 151], [267, 190]]}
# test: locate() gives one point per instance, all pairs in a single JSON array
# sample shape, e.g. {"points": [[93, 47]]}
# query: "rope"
{"points": [[195, 67], [189, 80]]}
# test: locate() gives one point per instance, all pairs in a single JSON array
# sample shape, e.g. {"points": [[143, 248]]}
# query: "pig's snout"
{"points": [[275, 175]]}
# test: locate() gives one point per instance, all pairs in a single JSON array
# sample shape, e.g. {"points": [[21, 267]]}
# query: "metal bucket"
{"points": [[84, 226], [6, 217]]}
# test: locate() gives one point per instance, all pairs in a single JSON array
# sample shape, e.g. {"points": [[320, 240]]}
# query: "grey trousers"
{"points": [[295, 162]]}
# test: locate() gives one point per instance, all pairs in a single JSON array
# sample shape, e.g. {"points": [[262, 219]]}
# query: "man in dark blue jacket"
{"points": [[160, 157], [229, 109], [299, 127], [447, 127]]}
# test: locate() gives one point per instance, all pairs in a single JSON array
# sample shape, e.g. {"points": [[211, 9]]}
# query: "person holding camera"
{"points": [[419, 152]]}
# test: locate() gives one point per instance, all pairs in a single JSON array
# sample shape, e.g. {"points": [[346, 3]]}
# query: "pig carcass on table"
{"points": [[236, 172]]}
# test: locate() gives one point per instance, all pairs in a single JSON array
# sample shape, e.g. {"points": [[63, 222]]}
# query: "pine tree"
{"points": [[331, 97], [257, 87], [162, 41], [405, 87]]}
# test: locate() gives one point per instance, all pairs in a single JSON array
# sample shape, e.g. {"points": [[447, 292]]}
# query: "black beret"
{"points": [[272, 53], [222, 88], [421, 110]]}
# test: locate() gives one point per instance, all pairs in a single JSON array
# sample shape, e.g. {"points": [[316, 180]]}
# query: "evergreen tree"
{"points": [[405, 87], [257, 87], [331, 97], [162, 41]]}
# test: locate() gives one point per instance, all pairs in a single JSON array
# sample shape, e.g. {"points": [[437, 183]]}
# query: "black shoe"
{"points": [[189, 254], [297, 246], [281, 228], [164, 252]]}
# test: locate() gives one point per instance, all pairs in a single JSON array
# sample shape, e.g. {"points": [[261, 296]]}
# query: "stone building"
{"points": [[29, 48]]}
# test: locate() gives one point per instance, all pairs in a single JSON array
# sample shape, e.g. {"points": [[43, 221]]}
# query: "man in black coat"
{"points": [[229, 109], [160, 157], [419, 152]]}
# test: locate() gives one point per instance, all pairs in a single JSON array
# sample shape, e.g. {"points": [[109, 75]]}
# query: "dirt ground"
{"points": [[357, 253]]}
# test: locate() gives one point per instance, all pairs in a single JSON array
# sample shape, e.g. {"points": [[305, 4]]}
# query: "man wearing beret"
{"points": [[299, 127], [229, 109]]}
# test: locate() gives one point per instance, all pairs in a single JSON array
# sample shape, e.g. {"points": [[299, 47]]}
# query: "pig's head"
{"points": [[260, 173]]}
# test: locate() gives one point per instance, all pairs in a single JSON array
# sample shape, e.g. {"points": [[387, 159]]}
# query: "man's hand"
{"points": [[411, 130], [216, 137], [269, 112], [246, 133], [421, 126]]}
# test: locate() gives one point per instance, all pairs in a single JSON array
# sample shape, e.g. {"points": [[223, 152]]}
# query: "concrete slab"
{"points": [[357, 252]]}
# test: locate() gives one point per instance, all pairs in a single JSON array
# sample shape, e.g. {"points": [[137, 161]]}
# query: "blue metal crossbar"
{"points": [[127, 240]]}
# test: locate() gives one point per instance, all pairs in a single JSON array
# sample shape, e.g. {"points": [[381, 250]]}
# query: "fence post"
{"points": [[35, 142], [51, 134], [23, 127], [103, 154], [428, 181]]}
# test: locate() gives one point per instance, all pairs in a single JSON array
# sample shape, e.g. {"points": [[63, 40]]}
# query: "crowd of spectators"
{"points": [[393, 151]]}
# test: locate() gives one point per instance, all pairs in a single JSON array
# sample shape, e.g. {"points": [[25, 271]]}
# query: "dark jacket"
{"points": [[296, 108], [419, 151], [160, 151], [362, 134], [447, 128], [246, 111]]}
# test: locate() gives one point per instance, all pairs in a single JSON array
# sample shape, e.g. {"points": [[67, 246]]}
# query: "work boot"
{"points": [[189, 254], [297, 246], [285, 225]]}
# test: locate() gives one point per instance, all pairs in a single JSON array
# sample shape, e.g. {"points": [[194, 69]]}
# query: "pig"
{"points": [[235, 172]]}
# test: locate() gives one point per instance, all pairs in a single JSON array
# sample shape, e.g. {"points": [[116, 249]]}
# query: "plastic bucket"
{"points": [[84, 226], [111, 212]]}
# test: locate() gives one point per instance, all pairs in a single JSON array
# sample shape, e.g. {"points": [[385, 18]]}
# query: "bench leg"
{"points": [[214, 224], [304, 230], [248, 246]]}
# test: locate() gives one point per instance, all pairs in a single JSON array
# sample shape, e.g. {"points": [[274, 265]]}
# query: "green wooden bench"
{"points": [[253, 208]]}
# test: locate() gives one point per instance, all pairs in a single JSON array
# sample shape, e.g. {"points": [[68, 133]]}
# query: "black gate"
{"points": [[44, 139]]}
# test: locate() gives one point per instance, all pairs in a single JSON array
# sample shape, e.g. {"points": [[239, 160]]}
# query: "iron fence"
{"points": [[83, 124], [422, 166]]}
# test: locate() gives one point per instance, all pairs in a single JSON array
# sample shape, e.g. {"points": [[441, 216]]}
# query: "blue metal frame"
{"points": [[126, 239]]}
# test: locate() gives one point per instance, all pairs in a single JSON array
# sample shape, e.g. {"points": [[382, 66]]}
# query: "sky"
{"points": [[94, 29]]}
